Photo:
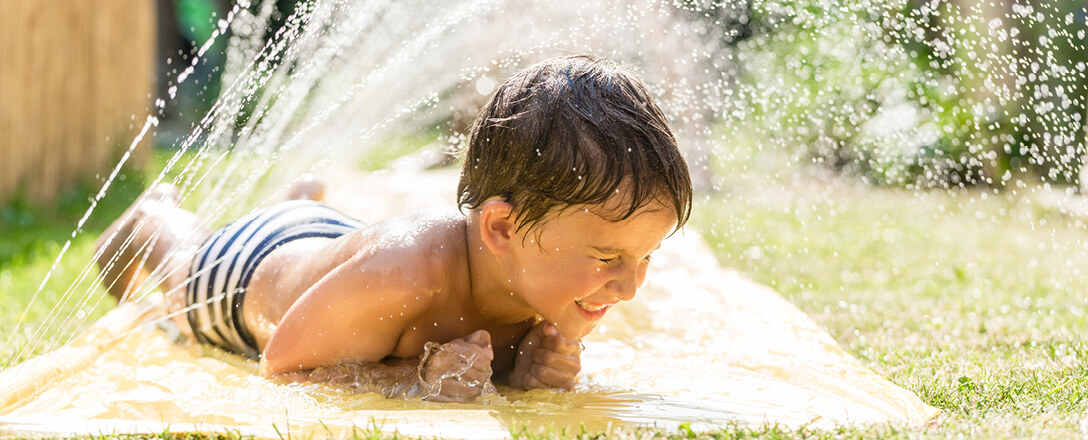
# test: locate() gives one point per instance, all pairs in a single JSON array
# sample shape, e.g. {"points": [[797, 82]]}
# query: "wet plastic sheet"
{"points": [[700, 344]]}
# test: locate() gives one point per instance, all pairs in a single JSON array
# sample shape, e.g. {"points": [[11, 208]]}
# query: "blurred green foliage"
{"points": [[31, 228], [914, 93]]}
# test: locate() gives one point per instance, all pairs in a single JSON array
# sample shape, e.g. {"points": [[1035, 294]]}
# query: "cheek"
{"points": [[571, 276], [641, 274]]}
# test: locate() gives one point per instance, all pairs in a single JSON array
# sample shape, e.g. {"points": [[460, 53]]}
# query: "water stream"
{"points": [[740, 82]]}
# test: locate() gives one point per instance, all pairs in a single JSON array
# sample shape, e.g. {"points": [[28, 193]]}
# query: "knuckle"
{"points": [[543, 356], [559, 343], [452, 387], [548, 374], [477, 375], [534, 383], [555, 340], [544, 374], [573, 346]]}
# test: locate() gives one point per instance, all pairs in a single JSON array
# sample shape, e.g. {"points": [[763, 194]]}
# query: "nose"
{"points": [[628, 279]]}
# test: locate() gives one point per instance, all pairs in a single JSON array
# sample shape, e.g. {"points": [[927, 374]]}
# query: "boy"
{"points": [[572, 178]]}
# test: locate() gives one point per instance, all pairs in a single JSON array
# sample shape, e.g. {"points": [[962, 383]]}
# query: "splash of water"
{"points": [[340, 77], [838, 85]]}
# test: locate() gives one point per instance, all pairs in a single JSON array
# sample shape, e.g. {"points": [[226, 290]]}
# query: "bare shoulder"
{"points": [[422, 252], [394, 272]]}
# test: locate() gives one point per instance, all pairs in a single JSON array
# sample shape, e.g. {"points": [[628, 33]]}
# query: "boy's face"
{"points": [[572, 268]]}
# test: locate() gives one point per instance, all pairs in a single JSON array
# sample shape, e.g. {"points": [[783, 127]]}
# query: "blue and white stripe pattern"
{"points": [[225, 263]]}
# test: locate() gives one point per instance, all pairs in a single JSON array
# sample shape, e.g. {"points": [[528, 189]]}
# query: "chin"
{"points": [[576, 331], [576, 322]]}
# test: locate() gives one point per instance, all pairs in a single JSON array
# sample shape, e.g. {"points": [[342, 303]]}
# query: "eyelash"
{"points": [[610, 260]]}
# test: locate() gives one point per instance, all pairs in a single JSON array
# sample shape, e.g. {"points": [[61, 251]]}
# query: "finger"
{"points": [[458, 391], [465, 355], [480, 338], [557, 342], [466, 350], [557, 360], [455, 356], [553, 377], [481, 354], [469, 377], [475, 378], [480, 370], [458, 368], [548, 329], [438, 398], [543, 328], [532, 339], [532, 383]]}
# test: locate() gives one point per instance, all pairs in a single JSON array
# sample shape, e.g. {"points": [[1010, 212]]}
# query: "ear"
{"points": [[497, 226]]}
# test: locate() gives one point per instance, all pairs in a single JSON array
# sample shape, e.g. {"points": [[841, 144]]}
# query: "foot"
{"points": [[120, 264], [307, 187], [162, 191]]}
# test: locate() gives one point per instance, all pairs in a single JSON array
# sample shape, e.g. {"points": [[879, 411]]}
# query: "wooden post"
{"points": [[76, 79]]}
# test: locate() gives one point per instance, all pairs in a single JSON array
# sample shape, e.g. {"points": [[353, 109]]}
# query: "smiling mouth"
{"points": [[592, 311]]}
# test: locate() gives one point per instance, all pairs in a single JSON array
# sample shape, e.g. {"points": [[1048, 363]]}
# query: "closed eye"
{"points": [[607, 260]]}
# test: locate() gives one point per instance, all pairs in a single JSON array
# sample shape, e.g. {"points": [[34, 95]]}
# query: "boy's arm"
{"points": [[347, 316], [393, 377], [353, 319], [457, 371]]}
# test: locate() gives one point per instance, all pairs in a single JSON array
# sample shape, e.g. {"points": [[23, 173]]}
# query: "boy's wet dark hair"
{"points": [[571, 131]]}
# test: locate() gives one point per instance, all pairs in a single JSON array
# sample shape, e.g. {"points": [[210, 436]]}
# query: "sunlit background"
{"points": [[906, 172]]}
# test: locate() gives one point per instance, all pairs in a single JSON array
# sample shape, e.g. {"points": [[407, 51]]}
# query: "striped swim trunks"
{"points": [[225, 263]]}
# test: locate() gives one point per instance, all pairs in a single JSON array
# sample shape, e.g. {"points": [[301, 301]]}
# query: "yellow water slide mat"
{"points": [[700, 344]]}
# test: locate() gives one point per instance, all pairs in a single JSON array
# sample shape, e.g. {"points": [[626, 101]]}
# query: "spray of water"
{"points": [[936, 94], [340, 77]]}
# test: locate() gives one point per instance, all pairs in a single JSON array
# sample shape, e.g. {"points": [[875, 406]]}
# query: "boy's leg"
{"points": [[159, 234]]}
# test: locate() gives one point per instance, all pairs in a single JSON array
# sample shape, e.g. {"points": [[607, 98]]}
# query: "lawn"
{"points": [[31, 237], [972, 299]]}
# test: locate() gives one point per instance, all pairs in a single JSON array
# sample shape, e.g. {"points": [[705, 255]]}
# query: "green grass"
{"points": [[974, 301], [32, 236]]}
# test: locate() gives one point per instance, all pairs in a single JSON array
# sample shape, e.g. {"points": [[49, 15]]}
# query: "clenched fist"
{"points": [[459, 370], [546, 359]]}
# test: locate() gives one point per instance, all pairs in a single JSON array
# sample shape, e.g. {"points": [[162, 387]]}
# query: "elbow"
{"points": [[265, 367], [273, 358], [281, 365], [270, 364], [268, 372], [269, 369]]}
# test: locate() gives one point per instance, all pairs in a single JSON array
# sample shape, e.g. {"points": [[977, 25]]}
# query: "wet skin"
{"points": [[386, 290], [500, 299]]}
